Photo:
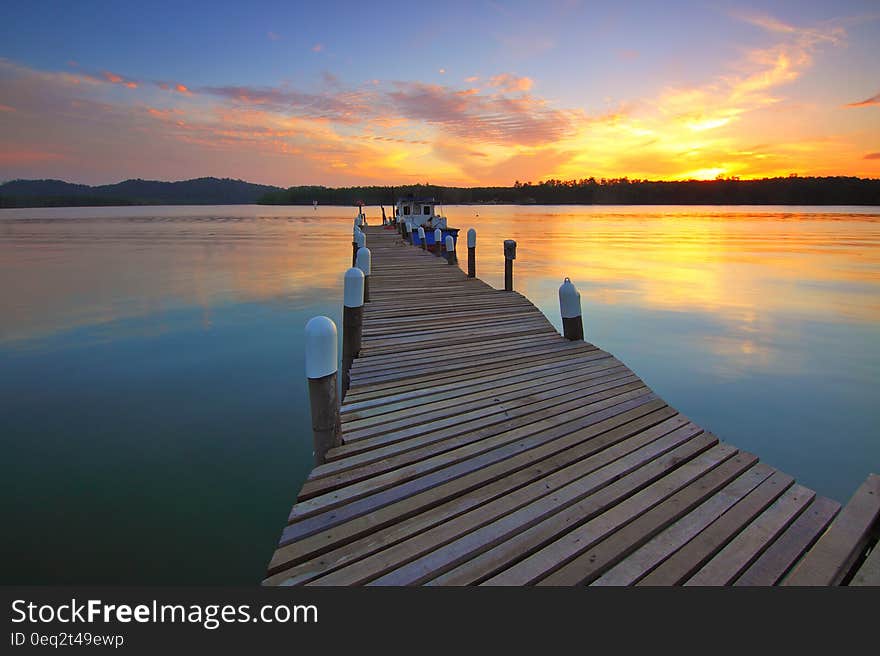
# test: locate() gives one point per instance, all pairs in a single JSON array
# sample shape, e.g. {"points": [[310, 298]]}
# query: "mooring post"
{"points": [[352, 321], [422, 240], [354, 244], [472, 253], [509, 257], [321, 370], [438, 242], [360, 241], [363, 262], [409, 231], [570, 309], [450, 249]]}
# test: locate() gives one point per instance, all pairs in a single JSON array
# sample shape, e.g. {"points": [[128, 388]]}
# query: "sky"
{"points": [[450, 93]]}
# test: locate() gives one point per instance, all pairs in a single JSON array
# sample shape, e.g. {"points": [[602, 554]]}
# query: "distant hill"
{"points": [[200, 191]]}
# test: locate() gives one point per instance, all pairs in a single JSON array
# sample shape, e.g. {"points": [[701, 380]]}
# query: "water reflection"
{"points": [[748, 272], [78, 271]]}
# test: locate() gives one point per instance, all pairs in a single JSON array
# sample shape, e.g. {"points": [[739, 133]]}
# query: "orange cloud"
{"points": [[318, 47], [113, 78], [510, 83]]}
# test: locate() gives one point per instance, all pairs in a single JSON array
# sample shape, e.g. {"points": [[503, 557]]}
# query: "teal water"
{"points": [[154, 420]]}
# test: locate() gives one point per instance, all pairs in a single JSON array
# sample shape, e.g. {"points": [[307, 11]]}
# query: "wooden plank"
{"points": [[774, 563], [448, 392], [554, 385], [480, 554], [687, 560], [831, 558], [538, 407], [458, 358], [545, 563], [569, 483], [869, 572], [450, 462], [376, 461], [606, 552], [548, 466], [637, 564], [443, 374], [745, 548], [426, 409], [298, 547]]}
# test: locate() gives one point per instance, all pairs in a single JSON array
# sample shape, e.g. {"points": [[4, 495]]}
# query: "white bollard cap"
{"points": [[472, 238], [353, 288], [363, 260], [421, 232], [438, 235], [450, 243], [569, 300], [360, 239], [408, 226], [321, 347]]}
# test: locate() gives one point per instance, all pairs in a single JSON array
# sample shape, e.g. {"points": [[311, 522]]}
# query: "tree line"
{"points": [[791, 190]]}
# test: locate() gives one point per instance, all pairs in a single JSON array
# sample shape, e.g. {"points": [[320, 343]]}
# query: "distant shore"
{"points": [[791, 190]]}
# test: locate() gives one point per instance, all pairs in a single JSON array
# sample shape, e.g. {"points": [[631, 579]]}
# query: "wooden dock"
{"points": [[481, 447]]}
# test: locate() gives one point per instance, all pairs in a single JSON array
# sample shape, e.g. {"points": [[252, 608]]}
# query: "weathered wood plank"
{"points": [[869, 572], [831, 558], [687, 560], [774, 563], [590, 564], [636, 565], [570, 482], [745, 548], [353, 527]]}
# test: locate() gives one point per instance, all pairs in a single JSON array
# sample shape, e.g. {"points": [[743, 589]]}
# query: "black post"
{"points": [[509, 257]]}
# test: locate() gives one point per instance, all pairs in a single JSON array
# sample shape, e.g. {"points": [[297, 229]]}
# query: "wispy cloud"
{"points": [[495, 118], [873, 100], [872, 156]]}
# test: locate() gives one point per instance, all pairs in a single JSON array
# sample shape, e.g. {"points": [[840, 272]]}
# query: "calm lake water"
{"points": [[154, 419]]}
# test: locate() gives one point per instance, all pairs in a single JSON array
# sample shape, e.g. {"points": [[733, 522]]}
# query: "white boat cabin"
{"points": [[419, 213]]}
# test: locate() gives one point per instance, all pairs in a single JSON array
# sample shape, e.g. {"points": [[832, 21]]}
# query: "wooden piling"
{"points": [[509, 257], [321, 370], [363, 262], [570, 309], [450, 249], [472, 253], [352, 322]]}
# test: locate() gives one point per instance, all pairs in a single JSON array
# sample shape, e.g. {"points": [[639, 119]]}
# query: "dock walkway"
{"points": [[481, 447]]}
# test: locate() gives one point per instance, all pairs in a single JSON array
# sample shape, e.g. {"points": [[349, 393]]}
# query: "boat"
{"points": [[422, 212]]}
